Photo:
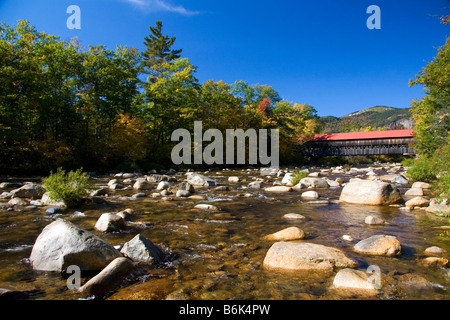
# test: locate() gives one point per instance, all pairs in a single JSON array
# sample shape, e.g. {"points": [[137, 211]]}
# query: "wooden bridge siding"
{"points": [[360, 147]]}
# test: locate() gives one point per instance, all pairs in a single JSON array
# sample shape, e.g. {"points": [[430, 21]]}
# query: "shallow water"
{"points": [[219, 255]]}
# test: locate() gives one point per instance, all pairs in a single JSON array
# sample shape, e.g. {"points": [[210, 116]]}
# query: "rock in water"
{"points": [[109, 222], [353, 279], [370, 192], [196, 179], [379, 245], [48, 200], [141, 249], [417, 202], [371, 220], [278, 189], [314, 182], [306, 256], [29, 190], [291, 233], [108, 278], [62, 244], [310, 195]]}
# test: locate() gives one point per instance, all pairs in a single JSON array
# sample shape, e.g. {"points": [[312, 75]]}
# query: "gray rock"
{"points": [[414, 192], [99, 192], [438, 207], [379, 245], [422, 185], [29, 190], [183, 193], [109, 222], [207, 207], [293, 216], [17, 202], [417, 202], [53, 211], [310, 195], [353, 279], [287, 179], [278, 189], [370, 192], [291, 233], [139, 195], [5, 195], [255, 185], [62, 244], [314, 182], [142, 185], [141, 249], [371, 220], [163, 185], [108, 279], [233, 179], [200, 180], [306, 256], [434, 250], [185, 186], [48, 200]]}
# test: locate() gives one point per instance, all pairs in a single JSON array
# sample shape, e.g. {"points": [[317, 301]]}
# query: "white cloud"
{"points": [[162, 5]]}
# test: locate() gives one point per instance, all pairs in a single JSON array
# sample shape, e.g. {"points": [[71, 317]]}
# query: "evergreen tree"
{"points": [[159, 47]]}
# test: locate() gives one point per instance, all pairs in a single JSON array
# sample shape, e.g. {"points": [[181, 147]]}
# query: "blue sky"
{"points": [[315, 52]]}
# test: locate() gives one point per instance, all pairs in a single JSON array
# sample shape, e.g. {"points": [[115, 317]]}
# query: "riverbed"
{"points": [[219, 255]]}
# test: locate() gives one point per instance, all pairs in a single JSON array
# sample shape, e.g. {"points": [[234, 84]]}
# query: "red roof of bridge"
{"points": [[388, 134]]}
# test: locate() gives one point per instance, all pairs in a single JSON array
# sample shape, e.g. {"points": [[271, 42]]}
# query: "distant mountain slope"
{"points": [[380, 117]]}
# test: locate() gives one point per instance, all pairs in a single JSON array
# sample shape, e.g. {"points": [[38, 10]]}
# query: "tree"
{"points": [[158, 47], [432, 113]]}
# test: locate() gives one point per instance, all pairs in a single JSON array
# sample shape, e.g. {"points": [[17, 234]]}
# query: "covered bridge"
{"points": [[361, 143]]}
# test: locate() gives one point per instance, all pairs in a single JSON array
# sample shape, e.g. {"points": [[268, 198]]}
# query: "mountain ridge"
{"points": [[374, 118]]}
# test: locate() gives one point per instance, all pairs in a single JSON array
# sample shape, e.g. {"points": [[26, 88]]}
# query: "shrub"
{"points": [[423, 169], [298, 175], [70, 187]]}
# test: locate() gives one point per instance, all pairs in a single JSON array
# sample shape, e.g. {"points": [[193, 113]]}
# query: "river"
{"points": [[219, 255]]}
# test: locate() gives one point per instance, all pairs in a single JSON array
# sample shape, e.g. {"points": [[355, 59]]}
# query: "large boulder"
{"points": [[379, 245], [370, 192], [29, 190], [306, 256], [141, 249], [62, 244], [196, 179], [314, 182]]}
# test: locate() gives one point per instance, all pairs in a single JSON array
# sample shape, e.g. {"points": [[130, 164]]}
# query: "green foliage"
{"points": [[298, 175], [71, 187], [65, 106], [434, 169], [422, 170], [408, 162], [432, 113]]}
